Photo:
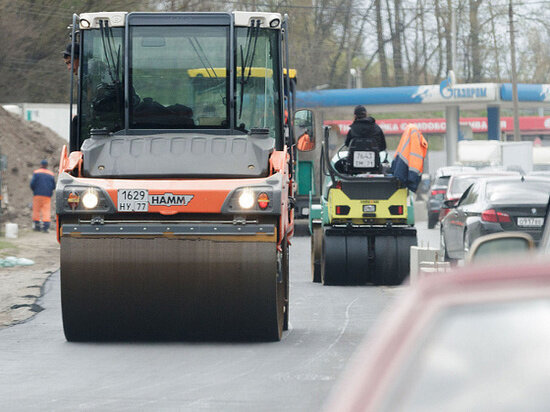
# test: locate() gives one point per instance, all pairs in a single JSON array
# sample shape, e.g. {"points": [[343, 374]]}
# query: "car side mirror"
{"points": [[450, 203], [498, 245]]}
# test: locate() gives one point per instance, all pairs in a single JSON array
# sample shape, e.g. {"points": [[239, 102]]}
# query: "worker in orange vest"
{"points": [[42, 185], [408, 163], [304, 142]]}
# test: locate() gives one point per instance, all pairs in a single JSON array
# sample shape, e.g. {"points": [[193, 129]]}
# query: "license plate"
{"points": [[530, 221], [363, 159], [369, 208], [132, 200]]}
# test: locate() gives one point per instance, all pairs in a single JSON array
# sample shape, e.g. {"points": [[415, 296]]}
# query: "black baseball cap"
{"points": [[67, 51]]}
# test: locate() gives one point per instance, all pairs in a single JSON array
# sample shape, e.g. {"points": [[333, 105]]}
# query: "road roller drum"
{"points": [[366, 255], [132, 288]]}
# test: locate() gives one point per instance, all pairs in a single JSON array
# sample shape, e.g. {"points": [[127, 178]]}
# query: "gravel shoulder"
{"points": [[21, 286]]}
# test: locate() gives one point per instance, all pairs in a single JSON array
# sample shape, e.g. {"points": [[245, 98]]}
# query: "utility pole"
{"points": [[452, 113], [517, 136]]}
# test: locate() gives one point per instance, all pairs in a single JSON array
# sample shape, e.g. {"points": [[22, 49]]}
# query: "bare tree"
{"points": [[395, 26], [381, 44], [475, 45]]}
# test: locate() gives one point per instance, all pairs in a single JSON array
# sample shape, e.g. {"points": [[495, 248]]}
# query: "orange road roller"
{"points": [[174, 197]]}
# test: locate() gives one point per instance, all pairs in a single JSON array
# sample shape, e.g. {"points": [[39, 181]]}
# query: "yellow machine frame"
{"points": [[356, 215]]}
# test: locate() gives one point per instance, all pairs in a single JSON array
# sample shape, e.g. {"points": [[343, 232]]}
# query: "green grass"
{"points": [[5, 246]]}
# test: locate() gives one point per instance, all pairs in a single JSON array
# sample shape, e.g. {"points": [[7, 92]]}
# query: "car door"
{"points": [[468, 213], [545, 240], [456, 220]]}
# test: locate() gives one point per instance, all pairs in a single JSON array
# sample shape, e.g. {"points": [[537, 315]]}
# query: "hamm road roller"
{"points": [[363, 229], [174, 196]]}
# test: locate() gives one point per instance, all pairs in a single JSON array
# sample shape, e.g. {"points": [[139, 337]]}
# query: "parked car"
{"points": [[474, 340], [458, 183], [493, 205], [438, 190]]}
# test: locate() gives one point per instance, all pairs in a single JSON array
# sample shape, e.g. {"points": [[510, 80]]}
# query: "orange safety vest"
{"points": [[408, 164], [304, 143]]}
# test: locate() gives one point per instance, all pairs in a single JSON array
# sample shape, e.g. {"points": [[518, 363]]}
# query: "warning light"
{"points": [[263, 200], [342, 210], [396, 209], [73, 200]]}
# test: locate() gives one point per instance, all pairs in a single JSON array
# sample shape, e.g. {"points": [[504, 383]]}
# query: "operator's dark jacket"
{"points": [[43, 182], [368, 129]]}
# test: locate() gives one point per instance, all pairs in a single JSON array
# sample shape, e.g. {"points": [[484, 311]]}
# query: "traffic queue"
{"points": [[470, 203], [475, 338]]}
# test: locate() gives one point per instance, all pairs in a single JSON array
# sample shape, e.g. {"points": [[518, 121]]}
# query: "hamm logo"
{"points": [[170, 199]]}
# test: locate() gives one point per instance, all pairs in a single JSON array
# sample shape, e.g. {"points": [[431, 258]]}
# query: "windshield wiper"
{"points": [[106, 39], [207, 66], [112, 63], [252, 35]]}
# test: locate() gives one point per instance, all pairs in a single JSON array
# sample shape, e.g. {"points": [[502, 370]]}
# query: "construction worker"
{"points": [[67, 57], [365, 127], [42, 185], [408, 163], [304, 143]]}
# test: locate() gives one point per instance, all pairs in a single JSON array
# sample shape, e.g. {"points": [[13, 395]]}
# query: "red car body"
{"points": [[376, 372]]}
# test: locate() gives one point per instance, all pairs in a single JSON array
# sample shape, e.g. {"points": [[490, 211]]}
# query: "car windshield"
{"points": [[486, 357], [460, 184], [520, 192], [442, 181], [178, 77]]}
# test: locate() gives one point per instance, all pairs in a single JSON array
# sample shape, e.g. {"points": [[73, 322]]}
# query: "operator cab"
{"points": [[199, 94]]}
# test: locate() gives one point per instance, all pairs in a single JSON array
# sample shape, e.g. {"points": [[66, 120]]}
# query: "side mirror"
{"points": [[304, 130], [449, 204], [498, 245]]}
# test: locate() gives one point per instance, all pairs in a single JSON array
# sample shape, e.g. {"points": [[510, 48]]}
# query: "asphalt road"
{"points": [[40, 370]]}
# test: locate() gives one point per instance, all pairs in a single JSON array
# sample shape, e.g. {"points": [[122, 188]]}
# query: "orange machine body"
{"points": [[208, 195]]}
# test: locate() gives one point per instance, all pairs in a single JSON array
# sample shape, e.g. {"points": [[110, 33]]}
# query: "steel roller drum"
{"points": [[205, 287]]}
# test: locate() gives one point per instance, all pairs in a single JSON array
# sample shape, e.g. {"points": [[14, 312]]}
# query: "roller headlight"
{"points": [[246, 199], [90, 199], [274, 23], [85, 24]]}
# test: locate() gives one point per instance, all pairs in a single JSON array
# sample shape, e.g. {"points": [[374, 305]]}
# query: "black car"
{"points": [[494, 205]]}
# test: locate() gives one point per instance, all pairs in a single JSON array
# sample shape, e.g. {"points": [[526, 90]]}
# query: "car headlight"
{"points": [[90, 199], [246, 199]]}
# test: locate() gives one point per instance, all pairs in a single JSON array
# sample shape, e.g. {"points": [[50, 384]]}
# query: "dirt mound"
{"points": [[25, 144]]}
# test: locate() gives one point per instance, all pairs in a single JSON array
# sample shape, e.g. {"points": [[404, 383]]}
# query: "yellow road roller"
{"points": [[363, 230]]}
